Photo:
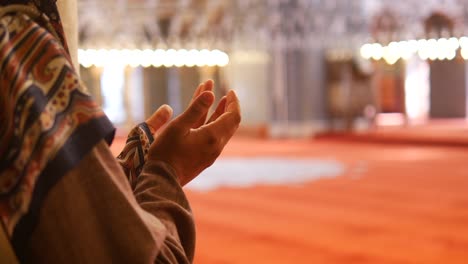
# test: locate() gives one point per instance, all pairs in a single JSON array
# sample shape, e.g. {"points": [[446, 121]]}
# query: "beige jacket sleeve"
{"points": [[92, 216]]}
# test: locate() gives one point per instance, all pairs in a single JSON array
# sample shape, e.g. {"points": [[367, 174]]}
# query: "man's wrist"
{"points": [[164, 167]]}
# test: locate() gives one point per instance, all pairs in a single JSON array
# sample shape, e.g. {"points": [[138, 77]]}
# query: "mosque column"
{"points": [[298, 91], [448, 86], [189, 80], [248, 73], [133, 96], [155, 89], [279, 96]]}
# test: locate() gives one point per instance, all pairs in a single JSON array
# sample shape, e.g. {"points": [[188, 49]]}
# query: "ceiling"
{"points": [[225, 24]]}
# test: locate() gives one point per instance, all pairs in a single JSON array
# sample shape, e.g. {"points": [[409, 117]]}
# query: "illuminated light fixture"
{"points": [[464, 53], [377, 51], [432, 47], [408, 48], [113, 57], [155, 58], [423, 53], [203, 58], [453, 43], [170, 58], [85, 60], [463, 41], [223, 59], [405, 48], [366, 51], [134, 58], [213, 58], [447, 48], [426, 49], [390, 53], [98, 57], [180, 57], [192, 58], [146, 58], [451, 54], [125, 56], [393, 52]]}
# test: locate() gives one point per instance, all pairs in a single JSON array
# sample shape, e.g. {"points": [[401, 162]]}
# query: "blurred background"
{"points": [[352, 144]]}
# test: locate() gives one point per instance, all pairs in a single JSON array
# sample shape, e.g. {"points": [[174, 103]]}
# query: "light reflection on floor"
{"points": [[247, 172]]}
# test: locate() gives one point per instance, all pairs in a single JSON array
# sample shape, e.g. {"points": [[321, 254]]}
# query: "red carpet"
{"points": [[436, 133], [394, 204]]}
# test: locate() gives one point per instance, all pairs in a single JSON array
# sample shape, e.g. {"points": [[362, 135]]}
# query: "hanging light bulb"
{"points": [[169, 58], [390, 54], [192, 58], [223, 59], [453, 43], [423, 50], [432, 49], [203, 57], [451, 54], [366, 51], [464, 53], [146, 57], [134, 58], [180, 58], [377, 51], [463, 41], [158, 57], [114, 57], [84, 58]]}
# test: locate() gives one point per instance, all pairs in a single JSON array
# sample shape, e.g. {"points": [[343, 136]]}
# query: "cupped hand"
{"points": [[188, 143], [164, 113]]}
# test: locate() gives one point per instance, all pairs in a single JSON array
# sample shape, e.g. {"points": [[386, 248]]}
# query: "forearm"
{"points": [[159, 193], [91, 216]]}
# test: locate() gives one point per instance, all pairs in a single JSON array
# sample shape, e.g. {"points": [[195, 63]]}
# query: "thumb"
{"points": [[159, 118], [196, 110]]}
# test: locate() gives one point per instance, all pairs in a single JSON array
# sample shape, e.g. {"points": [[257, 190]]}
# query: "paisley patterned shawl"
{"points": [[48, 120]]}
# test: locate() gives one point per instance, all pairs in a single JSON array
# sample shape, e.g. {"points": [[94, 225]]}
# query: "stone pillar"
{"points": [[189, 81], [298, 87], [154, 89], [133, 96], [448, 89], [248, 75]]}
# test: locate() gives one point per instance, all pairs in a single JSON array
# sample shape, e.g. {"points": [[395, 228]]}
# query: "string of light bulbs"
{"points": [[426, 49], [155, 58]]}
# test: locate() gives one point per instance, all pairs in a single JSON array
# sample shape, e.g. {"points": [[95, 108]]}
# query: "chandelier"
{"points": [[191, 26]]}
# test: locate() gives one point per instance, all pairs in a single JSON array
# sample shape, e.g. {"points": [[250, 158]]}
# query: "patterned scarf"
{"points": [[48, 120]]}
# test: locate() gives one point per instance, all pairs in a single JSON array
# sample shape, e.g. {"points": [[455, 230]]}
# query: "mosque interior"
{"points": [[354, 119]]}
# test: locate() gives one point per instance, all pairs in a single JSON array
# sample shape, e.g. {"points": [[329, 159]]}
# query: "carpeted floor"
{"points": [[390, 203]]}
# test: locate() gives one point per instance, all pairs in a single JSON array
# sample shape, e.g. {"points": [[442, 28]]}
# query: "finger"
{"points": [[196, 110], [232, 103], [159, 118], [226, 125], [198, 91], [207, 86], [220, 109]]}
